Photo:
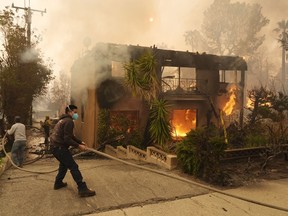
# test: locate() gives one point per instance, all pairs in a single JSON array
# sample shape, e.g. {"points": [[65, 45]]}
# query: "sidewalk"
{"points": [[117, 186], [272, 192]]}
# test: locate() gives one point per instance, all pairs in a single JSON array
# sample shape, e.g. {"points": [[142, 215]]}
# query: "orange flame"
{"points": [[178, 131], [183, 121], [229, 106], [250, 103]]}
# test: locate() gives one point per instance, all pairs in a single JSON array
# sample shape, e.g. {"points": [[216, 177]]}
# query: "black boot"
{"points": [[84, 191], [59, 185]]}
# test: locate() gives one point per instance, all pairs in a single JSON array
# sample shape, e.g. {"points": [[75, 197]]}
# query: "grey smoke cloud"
{"points": [[68, 22], [30, 55]]}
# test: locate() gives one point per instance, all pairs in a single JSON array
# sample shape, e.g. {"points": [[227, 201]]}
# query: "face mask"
{"points": [[75, 116]]}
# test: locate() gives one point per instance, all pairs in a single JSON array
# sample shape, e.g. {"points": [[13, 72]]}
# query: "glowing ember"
{"points": [[249, 103], [267, 104], [229, 106]]}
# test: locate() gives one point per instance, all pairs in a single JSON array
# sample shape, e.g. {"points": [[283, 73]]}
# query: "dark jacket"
{"points": [[63, 133]]}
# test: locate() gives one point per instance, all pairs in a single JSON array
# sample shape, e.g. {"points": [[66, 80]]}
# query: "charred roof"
{"points": [[173, 58]]}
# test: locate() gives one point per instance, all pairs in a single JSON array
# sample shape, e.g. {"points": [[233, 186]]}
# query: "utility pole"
{"points": [[283, 62], [284, 42], [28, 19], [284, 59]]}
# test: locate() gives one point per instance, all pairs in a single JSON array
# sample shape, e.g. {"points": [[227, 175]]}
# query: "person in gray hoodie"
{"points": [[19, 145]]}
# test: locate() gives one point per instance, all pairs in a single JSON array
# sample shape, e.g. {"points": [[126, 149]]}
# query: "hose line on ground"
{"points": [[160, 173], [31, 171], [20, 168], [189, 181]]}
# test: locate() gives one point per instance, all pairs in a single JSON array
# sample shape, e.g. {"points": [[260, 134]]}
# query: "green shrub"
{"points": [[236, 136], [199, 153], [133, 138], [112, 126], [255, 140]]}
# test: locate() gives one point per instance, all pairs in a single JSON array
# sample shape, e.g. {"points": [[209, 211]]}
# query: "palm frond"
{"points": [[141, 76], [160, 127]]}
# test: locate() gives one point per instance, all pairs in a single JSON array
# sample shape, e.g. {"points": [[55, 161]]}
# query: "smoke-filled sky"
{"points": [[68, 23]]}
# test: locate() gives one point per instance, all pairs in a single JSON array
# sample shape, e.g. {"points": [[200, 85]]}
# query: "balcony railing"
{"points": [[183, 85]]}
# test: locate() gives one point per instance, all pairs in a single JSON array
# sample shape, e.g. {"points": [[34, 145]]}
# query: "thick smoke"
{"points": [[93, 68], [68, 23]]}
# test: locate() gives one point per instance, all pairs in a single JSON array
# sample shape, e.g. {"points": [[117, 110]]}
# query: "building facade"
{"points": [[200, 88]]}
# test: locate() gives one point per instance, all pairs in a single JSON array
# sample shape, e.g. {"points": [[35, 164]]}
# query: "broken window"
{"points": [[174, 78], [117, 69], [230, 76]]}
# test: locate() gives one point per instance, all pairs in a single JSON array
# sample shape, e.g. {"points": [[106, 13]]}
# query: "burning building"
{"points": [[199, 88]]}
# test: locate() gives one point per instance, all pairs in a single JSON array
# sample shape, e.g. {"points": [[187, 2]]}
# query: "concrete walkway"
{"points": [[117, 186], [123, 190], [273, 192]]}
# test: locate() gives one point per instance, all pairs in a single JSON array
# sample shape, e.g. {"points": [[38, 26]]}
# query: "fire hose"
{"points": [[31, 171], [160, 173]]}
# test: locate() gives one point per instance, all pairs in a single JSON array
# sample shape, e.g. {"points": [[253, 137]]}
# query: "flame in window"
{"points": [[183, 121], [229, 106]]}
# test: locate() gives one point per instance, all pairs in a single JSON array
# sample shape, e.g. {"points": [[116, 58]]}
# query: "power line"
{"points": [[28, 18]]}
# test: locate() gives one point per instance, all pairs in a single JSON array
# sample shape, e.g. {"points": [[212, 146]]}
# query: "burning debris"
{"points": [[229, 107]]}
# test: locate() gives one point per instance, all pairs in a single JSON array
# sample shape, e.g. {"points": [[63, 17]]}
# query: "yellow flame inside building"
{"points": [[183, 121], [229, 106]]}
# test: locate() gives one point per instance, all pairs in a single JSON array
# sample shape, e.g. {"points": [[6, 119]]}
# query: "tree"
{"points": [[282, 30], [260, 63], [272, 108], [269, 115], [60, 91], [232, 28], [196, 40], [260, 104], [141, 78], [23, 74]]}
